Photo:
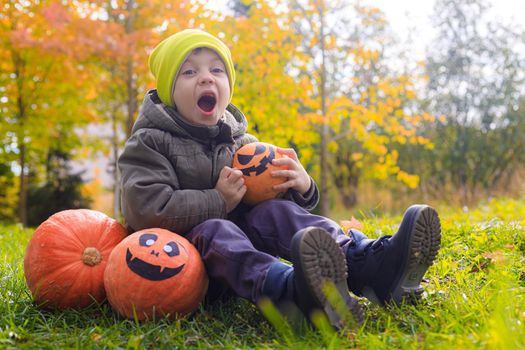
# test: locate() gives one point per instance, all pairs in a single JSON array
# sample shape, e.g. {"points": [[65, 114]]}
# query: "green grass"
{"points": [[475, 298]]}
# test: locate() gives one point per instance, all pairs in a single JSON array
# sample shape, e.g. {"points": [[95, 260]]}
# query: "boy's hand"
{"points": [[297, 177], [231, 185]]}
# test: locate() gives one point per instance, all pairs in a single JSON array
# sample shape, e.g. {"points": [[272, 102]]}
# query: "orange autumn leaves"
{"points": [[353, 223]]}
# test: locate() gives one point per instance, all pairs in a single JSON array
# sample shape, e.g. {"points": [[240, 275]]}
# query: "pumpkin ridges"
{"points": [[96, 219], [46, 263], [83, 276], [53, 266], [103, 248], [76, 230], [67, 296], [49, 229], [102, 237], [87, 287], [106, 242], [64, 228], [47, 284]]}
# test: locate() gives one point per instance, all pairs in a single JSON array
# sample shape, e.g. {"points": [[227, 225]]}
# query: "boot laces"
{"points": [[374, 246], [378, 245]]}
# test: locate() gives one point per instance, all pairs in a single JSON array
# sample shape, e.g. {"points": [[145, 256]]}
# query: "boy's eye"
{"points": [[217, 70], [188, 72]]}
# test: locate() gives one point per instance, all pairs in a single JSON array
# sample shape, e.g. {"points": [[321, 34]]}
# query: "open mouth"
{"points": [[207, 103]]}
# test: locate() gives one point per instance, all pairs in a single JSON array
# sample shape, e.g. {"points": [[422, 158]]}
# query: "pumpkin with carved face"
{"points": [[155, 273], [255, 162]]}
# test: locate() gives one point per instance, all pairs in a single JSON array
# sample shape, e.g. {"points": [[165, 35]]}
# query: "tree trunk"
{"points": [[324, 200], [22, 194], [132, 100], [130, 79], [116, 173], [350, 195]]}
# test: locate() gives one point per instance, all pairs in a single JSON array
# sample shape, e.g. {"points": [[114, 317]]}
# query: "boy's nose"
{"points": [[206, 78]]}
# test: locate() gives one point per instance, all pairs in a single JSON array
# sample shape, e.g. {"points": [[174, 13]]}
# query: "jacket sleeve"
{"points": [[151, 194], [308, 200], [246, 139]]}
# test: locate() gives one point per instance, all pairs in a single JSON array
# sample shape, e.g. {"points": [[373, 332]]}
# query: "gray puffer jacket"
{"points": [[169, 168]]}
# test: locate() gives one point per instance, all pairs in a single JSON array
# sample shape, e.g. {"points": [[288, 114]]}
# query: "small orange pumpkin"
{"points": [[65, 259], [255, 162], [155, 272]]}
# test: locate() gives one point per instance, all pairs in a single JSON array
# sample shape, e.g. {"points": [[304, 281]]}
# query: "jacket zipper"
{"points": [[213, 162]]}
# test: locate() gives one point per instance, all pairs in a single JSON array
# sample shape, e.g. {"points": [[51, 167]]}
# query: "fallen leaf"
{"points": [[352, 223]]}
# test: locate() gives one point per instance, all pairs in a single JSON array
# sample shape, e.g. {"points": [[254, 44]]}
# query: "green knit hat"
{"points": [[169, 55]]}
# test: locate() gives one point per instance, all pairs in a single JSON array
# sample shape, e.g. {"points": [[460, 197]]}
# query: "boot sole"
{"points": [[424, 243], [321, 260]]}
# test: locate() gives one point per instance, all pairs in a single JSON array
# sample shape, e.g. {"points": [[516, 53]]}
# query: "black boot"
{"points": [[391, 268], [316, 259]]}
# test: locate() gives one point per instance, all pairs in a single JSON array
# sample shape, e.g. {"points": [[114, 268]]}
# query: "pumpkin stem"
{"points": [[91, 256]]}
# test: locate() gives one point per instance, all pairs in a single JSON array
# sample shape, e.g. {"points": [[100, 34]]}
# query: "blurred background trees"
{"points": [[60, 190], [329, 78], [475, 76]]}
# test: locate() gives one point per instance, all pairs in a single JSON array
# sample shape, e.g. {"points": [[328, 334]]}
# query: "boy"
{"points": [[176, 175]]}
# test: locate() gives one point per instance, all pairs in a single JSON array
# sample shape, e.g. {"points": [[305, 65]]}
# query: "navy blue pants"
{"points": [[238, 255]]}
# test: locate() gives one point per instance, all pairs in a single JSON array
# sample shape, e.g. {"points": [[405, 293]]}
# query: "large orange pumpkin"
{"points": [[255, 162], [155, 273], [65, 260]]}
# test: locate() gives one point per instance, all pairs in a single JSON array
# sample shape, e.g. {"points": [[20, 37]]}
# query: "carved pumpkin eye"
{"points": [[147, 239], [246, 158], [172, 249]]}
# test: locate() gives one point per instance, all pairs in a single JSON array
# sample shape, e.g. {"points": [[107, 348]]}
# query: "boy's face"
{"points": [[202, 89]]}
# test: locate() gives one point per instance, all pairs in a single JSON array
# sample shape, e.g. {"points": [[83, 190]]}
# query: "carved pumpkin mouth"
{"points": [[263, 164], [150, 271]]}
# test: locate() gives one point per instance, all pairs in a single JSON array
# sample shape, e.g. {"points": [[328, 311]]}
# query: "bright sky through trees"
{"points": [[413, 16]]}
